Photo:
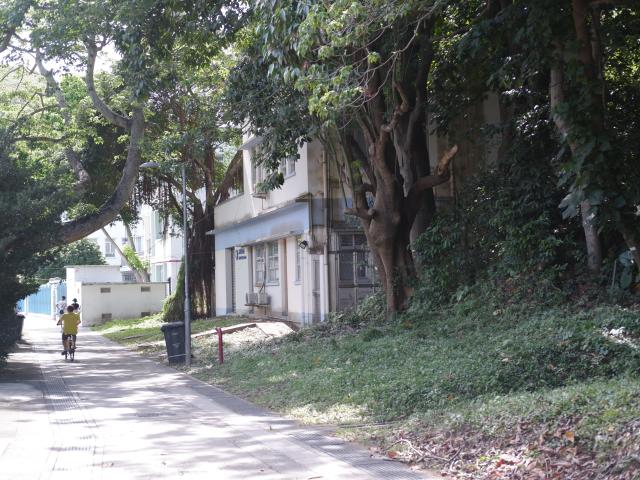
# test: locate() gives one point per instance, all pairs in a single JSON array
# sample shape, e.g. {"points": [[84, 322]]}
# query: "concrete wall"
{"points": [[79, 274], [120, 300]]}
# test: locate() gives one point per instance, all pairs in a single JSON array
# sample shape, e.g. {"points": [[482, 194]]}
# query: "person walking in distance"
{"points": [[61, 306]]}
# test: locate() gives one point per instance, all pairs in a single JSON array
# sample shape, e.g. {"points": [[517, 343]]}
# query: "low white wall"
{"points": [[80, 274], [120, 300]]}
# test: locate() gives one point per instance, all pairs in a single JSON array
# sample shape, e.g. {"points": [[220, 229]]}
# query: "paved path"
{"points": [[114, 414]]}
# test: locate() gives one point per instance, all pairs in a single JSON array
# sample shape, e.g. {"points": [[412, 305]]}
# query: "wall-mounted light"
{"points": [[303, 244]]}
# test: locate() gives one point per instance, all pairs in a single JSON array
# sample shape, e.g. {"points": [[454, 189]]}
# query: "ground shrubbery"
{"points": [[422, 363], [508, 345]]}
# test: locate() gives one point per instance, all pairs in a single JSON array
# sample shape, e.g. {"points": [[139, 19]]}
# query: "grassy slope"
{"points": [[135, 331], [463, 388]]}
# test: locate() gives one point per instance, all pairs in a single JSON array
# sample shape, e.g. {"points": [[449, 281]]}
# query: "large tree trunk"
{"points": [[201, 261], [107, 213], [557, 96], [387, 223]]}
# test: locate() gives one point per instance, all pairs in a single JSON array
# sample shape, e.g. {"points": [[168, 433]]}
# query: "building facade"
{"points": [[289, 253], [160, 246]]}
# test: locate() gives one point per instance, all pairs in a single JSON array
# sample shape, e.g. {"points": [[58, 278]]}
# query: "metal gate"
{"points": [[41, 301]]}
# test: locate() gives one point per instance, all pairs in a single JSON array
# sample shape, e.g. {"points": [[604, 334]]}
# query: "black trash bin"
{"points": [[174, 339]]}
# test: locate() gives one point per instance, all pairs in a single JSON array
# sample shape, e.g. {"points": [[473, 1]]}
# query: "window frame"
{"points": [[353, 256], [259, 257], [291, 166], [273, 263], [109, 248]]}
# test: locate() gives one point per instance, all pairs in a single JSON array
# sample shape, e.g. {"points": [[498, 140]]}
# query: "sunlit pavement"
{"points": [[114, 414]]}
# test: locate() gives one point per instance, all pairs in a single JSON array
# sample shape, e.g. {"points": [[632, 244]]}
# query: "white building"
{"points": [[103, 295], [160, 246], [290, 253]]}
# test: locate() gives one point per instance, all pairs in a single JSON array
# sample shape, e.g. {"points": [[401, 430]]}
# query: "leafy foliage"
{"points": [[32, 203], [82, 252], [505, 230]]}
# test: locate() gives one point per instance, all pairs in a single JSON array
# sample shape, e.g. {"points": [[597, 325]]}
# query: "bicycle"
{"points": [[70, 348]]}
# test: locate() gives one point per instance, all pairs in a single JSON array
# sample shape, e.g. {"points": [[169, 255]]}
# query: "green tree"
{"points": [[82, 252], [366, 76], [188, 130], [145, 35], [577, 57], [363, 69], [102, 119], [31, 203]]}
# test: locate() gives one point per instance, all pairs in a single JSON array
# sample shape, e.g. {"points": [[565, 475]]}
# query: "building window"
{"points": [[137, 242], [346, 267], [288, 166], [291, 166], [128, 277], [258, 173], [237, 184], [273, 267], [159, 273], [298, 275], [354, 260], [109, 249], [259, 254]]}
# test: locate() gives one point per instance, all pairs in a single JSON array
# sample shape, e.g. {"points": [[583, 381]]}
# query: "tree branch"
{"points": [[194, 198], [442, 175], [81, 227], [98, 103], [364, 159], [399, 111], [72, 156], [361, 213]]}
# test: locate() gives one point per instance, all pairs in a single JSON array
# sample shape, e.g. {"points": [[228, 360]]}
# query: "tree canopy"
{"points": [[374, 79]]}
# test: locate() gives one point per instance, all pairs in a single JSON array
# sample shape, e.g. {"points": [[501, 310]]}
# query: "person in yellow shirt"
{"points": [[69, 322]]}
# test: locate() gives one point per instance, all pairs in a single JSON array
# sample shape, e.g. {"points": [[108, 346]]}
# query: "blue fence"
{"points": [[40, 302]]}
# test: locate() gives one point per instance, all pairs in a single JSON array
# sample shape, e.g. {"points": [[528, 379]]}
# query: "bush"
{"points": [[370, 311]]}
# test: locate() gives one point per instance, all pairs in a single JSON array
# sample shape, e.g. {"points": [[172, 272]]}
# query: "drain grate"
{"points": [[75, 446]]}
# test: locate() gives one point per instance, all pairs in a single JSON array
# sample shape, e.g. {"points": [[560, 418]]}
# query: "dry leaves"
{"points": [[529, 452]]}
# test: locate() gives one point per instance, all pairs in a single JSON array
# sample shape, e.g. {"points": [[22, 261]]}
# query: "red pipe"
{"points": [[220, 350]]}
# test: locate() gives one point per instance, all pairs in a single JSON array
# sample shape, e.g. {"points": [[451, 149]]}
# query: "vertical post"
{"points": [[220, 348], [187, 303], [52, 299]]}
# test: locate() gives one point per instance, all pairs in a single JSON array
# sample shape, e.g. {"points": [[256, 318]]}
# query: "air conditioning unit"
{"points": [[263, 298], [252, 298], [257, 298]]}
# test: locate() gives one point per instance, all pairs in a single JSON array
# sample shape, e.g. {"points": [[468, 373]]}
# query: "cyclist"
{"points": [[69, 322]]}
